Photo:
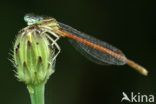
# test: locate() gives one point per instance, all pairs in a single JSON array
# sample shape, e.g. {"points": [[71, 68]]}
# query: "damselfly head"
{"points": [[33, 19]]}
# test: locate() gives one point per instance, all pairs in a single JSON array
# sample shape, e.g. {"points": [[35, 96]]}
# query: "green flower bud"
{"points": [[33, 56]]}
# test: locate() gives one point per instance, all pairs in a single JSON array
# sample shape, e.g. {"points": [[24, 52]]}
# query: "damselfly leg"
{"points": [[54, 42]]}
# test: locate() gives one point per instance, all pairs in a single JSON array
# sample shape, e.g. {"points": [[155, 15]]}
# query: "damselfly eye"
{"points": [[29, 17], [39, 18], [26, 18]]}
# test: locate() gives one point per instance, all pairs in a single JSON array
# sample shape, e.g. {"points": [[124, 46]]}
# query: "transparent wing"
{"points": [[90, 53]]}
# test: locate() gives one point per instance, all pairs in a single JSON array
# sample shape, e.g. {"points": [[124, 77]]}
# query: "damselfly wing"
{"points": [[91, 53]]}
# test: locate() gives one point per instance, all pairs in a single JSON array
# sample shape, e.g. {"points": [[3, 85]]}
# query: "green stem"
{"points": [[36, 93]]}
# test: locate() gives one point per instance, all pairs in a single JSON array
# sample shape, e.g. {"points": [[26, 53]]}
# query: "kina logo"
{"points": [[137, 97]]}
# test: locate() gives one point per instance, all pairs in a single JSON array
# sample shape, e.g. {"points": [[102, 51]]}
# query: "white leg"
{"points": [[54, 42], [57, 37], [57, 46], [48, 29], [52, 33]]}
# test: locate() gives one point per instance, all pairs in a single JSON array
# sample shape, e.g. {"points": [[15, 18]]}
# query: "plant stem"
{"points": [[36, 93]]}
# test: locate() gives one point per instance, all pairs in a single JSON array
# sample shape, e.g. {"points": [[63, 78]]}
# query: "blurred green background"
{"points": [[128, 25]]}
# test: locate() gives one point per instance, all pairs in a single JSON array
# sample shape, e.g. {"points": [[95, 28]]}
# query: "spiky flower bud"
{"points": [[33, 56]]}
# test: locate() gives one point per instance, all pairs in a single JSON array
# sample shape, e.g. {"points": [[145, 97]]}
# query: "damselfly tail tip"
{"points": [[137, 67], [145, 72]]}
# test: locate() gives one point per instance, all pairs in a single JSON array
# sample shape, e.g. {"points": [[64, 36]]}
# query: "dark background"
{"points": [[127, 24]]}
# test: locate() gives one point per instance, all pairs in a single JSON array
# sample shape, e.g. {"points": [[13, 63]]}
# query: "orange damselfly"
{"points": [[95, 50]]}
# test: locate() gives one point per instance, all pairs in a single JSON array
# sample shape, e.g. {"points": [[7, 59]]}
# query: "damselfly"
{"points": [[95, 50]]}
